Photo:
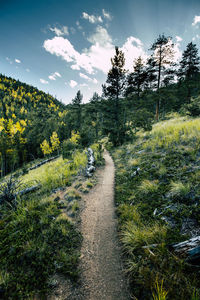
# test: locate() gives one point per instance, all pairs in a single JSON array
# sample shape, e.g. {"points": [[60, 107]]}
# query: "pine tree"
{"points": [[112, 91], [189, 65], [163, 56], [76, 106], [136, 79], [189, 69], [95, 112]]}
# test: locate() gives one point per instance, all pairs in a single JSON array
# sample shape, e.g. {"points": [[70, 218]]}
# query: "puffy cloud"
{"points": [[132, 49], [88, 78], [178, 38], [17, 61], [98, 55], [73, 83], [75, 67], [63, 30], [196, 20], [100, 37], [177, 52], [43, 81], [54, 76], [106, 15], [91, 18]]}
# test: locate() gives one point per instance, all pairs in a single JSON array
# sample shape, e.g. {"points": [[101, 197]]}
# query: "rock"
{"points": [[56, 199]]}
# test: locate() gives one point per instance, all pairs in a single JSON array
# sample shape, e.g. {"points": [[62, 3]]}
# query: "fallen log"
{"points": [[189, 250], [28, 190], [42, 163]]}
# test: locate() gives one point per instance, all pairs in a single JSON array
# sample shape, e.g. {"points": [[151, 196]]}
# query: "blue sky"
{"points": [[61, 46]]}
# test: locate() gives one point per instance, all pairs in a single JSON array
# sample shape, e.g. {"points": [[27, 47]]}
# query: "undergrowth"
{"points": [[157, 193], [38, 235]]}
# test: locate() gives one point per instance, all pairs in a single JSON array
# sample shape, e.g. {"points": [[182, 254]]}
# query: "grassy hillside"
{"points": [[157, 198], [38, 231]]}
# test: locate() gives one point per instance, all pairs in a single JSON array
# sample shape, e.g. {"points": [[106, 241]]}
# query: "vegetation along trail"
{"points": [[100, 256]]}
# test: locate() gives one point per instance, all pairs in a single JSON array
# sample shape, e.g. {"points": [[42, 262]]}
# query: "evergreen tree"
{"points": [[95, 113], [151, 74], [189, 65], [76, 106], [163, 56], [136, 79], [112, 91], [189, 69]]}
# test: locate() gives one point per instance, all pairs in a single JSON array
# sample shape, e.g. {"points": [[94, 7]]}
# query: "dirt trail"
{"points": [[102, 277], [101, 263]]}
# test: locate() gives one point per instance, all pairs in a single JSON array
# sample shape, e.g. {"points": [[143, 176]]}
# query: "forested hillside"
{"points": [[33, 123], [148, 117]]}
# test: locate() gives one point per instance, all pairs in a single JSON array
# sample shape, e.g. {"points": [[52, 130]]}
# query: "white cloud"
{"points": [[177, 52], [73, 83], [91, 18], [43, 81], [9, 60], [17, 61], [178, 38], [54, 76], [75, 67], [196, 20], [63, 30], [78, 25], [101, 37], [83, 85], [27, 70], [88, 78], [98, 55], [132, 49], [106, 15]]}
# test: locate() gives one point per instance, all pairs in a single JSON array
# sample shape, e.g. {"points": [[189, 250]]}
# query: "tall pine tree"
{"points": [[189, 69], [112, 90], [76, 106], [163, 55], [136, 79]]}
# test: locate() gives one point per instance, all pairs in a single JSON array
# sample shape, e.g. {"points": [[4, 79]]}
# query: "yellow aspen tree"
{"points": [[45, 147], [55, 142]]}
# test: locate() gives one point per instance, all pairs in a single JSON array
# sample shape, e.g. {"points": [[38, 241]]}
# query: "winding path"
{"points": [[100, 260], [102, 276]]}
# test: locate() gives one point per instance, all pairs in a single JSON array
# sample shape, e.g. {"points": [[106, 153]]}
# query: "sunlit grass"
{"points": [[159, 292], [136, 236], [173, 132], [148, 186], [57, 173]]}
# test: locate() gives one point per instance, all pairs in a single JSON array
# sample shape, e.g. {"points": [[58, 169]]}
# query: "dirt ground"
{"points": [[101, 276]]}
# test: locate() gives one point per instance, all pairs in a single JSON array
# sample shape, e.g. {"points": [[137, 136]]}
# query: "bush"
{"points": [[35, 243], [68, 148], [8, 190]]}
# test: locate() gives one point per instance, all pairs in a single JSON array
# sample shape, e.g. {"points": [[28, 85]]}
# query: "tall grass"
{"points": [[159, 292], [57, 173], [173, 132]]}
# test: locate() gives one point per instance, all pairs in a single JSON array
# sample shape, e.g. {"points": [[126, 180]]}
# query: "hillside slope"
{"points": [[28, 116], [157, 195]]}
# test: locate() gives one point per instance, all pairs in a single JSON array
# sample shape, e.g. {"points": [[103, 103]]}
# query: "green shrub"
{"points": [[33, 241], [68, 148]]}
